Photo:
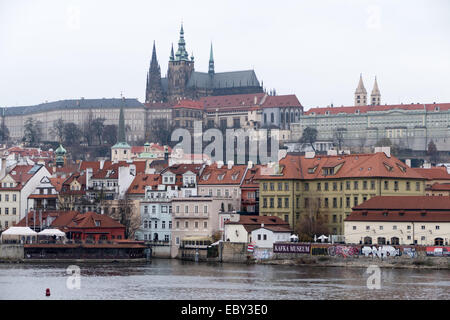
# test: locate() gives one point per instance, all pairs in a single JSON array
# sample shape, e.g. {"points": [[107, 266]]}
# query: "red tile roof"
{"points": [[57, 183], [353, 166], [381, 108], [78, 220], [189, 104], [143, 180], [440, 187], [435, 173], [250, 180], [236, 100], [289, 100], [406, 203], [212, 175], [29, 218], [251, 223], [111, 170]]}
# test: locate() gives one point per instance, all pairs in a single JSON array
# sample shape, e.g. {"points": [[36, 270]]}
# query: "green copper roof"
{"points": [[121, 145], [60, 150], [147, 155]]}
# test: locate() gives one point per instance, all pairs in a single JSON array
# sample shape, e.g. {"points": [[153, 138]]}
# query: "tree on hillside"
{"points": [[339, 137], [433, 152], [110, 134], [32, 132], [87, 128], [309, 137], [72, 134], [160, 131], [57, 130], [126, 213], [98, 125], [4, 133]]}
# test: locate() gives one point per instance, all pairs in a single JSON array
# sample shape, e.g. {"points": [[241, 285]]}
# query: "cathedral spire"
{"points": [[154, 91], [172, 56], [211, 61], [182, 53]]}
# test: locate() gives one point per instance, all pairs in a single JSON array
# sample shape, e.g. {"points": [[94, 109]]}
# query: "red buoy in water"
{"points": [[47, 292]]}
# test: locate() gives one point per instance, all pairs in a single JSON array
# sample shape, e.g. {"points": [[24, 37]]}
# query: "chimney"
{"points": [[230, 164], [219, 164], [262, 225], [250, 164], [102, 162], [408, 162], [331, 152]]}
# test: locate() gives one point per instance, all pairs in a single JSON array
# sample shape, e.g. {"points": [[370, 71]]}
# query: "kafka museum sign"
{"points": [[291, 248]]}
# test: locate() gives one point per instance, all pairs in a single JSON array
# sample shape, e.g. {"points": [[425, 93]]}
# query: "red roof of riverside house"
{"points": [[403, 208], [344, 166], [235, 100], [67, 170], [251, 223], [289, 100], [111, 170], [94, 165], [212, 175], [406, 203], [189, 104], [183, 168], [74, 219], [20, 175], [53, 214], [143, 180], [440, 187], [435, 173], [381, 108], [31, 152], [140, 149]]}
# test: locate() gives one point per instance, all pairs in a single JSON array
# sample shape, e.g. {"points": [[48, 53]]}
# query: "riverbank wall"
{"points": [[11, 252], [338, 255]]}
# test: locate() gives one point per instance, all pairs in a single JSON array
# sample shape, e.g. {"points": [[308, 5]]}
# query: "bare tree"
{"points": [[339, 138], [312, 222], [309, 137], [127, 214], [57, 130]]}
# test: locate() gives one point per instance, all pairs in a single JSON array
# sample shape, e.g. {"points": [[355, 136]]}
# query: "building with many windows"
{"points": [[331, 185], [404, 220]]}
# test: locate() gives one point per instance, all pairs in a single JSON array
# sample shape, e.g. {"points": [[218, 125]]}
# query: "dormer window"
{"points": [[97, 223], [221, 176]]}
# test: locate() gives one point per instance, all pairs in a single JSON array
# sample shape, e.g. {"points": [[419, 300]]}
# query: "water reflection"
{"points": [[173, 279]]}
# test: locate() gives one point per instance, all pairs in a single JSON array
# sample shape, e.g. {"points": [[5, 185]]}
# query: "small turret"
{"points": [[360, 93]]}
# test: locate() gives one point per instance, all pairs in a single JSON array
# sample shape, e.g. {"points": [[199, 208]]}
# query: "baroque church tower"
{"points": [[179, 71], [360, 94], [154, 90]]}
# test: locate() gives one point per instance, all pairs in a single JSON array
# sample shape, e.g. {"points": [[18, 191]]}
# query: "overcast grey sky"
{"points": [[52, 50]]}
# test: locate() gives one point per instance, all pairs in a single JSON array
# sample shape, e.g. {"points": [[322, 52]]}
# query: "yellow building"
{"points": [[332, 185]]}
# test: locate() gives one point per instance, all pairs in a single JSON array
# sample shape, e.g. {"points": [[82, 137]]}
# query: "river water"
{"points": [[175, 279]]}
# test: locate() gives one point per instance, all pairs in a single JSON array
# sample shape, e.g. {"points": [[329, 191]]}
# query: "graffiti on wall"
{"points": [[438, 251], [262, 254], [345, 251], [380, 252], [410, 252]]}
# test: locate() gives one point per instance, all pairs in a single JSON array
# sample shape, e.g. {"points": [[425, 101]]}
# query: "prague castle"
{"points": [[183, 82]]}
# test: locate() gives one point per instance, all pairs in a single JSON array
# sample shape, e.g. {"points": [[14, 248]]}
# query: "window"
{"points": [[326, 186], [334, 218], [364, 185], [386, 185], [355, 201], [334, 186], [437, 227], [14, 211], [417, 186], [6, 211], [186, 224], [264, 202], [306, 186], [286, 202], [408, 227], [423, 227], [372, 185], [265, 186], [334, 202], [319, 187], [286, 186], [156, 224], [14, 197], [306, 203], [145, 209], [355, 185], [408, 186], [367, 227], [395, 185], [196, 209], [186, 209], [205, 209], [163, 225], [280, 186], [178, 224], [381, 227], [271, 202], [347, 185], [326, 202], [170, 224], [264, 236], [347, 202], [354, 227], [196, 224], [205, 225], [6, 197], [394, 227], [259, 237], [272, 186], [279, 202]]}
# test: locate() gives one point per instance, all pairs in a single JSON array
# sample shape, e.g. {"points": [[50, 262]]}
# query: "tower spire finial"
{"points": [[211, 61]]}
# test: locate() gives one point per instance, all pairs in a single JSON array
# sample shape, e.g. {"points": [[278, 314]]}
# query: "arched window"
{"points": [[438, 241], [381, 240], [265, 118], [395, 240], [367, 240], [272, 119]]}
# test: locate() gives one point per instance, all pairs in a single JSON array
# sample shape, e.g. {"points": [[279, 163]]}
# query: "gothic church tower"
{"points": [[179, 71], [153, 90]]}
